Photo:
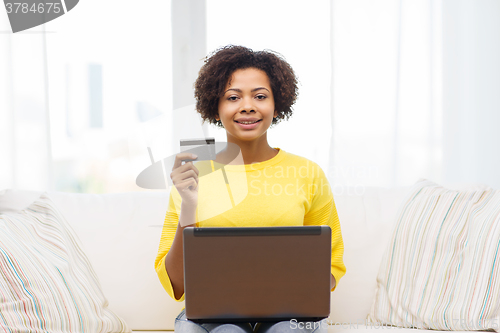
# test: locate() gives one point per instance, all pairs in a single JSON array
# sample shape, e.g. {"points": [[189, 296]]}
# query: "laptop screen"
{"points": [[257, 274]]}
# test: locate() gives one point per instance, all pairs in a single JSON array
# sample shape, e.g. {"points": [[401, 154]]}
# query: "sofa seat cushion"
{"points": [[440, 269], [47, 282]]}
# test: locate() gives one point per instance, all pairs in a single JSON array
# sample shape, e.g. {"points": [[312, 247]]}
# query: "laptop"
{"points": [[257, 274]]}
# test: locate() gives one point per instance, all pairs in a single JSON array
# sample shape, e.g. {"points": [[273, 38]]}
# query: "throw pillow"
{"points": [[441, 269], [47, 284]]}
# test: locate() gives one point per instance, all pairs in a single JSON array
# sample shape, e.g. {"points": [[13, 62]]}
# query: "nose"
{"points": [[247, 105]]}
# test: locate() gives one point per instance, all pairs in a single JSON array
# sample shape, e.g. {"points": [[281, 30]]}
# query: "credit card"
{"points": [[203, 148]]}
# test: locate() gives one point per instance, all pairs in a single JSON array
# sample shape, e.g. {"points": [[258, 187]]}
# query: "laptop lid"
{"points": [[257, 274]]}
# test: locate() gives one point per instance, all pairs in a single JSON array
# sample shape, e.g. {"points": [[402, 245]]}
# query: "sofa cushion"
{"points": [[440, 270], [367, 216], [46, 280], [14, 201], [120, 234]]}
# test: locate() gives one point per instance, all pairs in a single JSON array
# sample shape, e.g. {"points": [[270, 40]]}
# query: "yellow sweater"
{"points": [[287, 190]]}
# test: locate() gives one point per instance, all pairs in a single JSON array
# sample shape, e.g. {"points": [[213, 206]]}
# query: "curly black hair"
{"points": [[220, 65]]}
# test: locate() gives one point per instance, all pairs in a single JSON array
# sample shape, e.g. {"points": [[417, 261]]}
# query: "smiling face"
{"points": [[246, 108]]}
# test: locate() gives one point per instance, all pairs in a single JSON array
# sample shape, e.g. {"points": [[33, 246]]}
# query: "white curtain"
{"points": [[416, 88], [390, 90], [386, 100], [99, 75], [25, 147], [471, 91]]}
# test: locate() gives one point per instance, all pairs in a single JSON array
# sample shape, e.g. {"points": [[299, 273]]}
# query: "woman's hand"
{"points": [[185, 178]]}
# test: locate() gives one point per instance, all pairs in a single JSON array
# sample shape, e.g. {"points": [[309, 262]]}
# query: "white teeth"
{"points": [[246, 123]]}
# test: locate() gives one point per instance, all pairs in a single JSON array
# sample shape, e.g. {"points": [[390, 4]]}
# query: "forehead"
{"points": [[248, 77]]}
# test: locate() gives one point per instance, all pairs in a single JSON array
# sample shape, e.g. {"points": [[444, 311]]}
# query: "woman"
{"points": [[246, 92]]}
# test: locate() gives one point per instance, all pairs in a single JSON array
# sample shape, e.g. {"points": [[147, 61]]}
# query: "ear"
{"points": [[217, 117], [275, 113]]}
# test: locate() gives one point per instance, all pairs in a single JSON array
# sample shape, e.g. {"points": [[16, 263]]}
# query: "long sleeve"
{"points": [[327, 215], [324, 212], [167, 238]]}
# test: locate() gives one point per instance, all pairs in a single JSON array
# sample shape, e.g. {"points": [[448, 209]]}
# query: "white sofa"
{"points": [[120, 234]]}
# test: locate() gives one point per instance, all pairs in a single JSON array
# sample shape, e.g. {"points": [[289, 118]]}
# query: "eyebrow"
{"points": [[239, 90]]}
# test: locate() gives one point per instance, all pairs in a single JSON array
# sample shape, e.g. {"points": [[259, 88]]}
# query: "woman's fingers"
{"points": [[181, 157], [180, 177], [190, 184], [185, 175], [185, 167]]}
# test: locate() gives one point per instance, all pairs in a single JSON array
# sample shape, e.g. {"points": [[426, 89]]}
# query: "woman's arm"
{"points": [[174, 262], [185, 179], [322, 211]]}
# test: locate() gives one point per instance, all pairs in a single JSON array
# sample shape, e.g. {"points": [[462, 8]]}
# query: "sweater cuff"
{"points": [[161, 270], [337, 274]]}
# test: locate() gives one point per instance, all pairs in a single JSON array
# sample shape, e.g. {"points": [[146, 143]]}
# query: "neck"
{"points": [[257, 154], [250, 152]]}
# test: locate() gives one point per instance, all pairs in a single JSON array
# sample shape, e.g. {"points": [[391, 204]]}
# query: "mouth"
{"points": [[248, 125], [247, 122]]}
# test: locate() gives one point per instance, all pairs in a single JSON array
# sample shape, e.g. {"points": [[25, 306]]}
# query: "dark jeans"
{"points": [[184, 325]]}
